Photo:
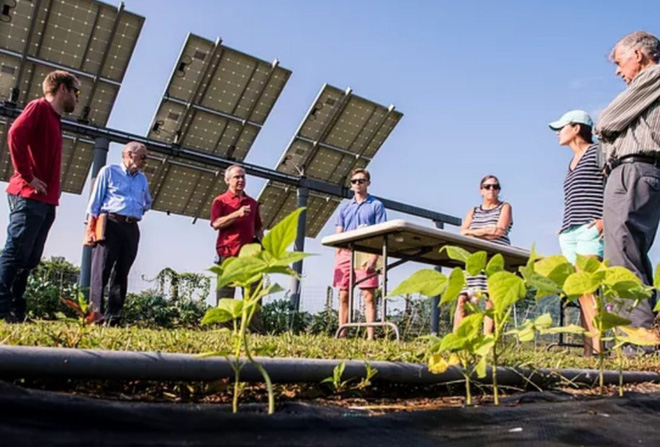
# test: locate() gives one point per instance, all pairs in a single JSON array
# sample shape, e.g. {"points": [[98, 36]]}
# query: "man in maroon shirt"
{"points": [[236, 217], [35, 146]]}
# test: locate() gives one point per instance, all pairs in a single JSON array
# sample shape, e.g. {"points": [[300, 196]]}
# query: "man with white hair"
{"points": [[122, 193], [629, 130], [235, 216]]}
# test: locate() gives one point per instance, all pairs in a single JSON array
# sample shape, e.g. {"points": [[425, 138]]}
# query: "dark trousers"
{"points": [[29, 224], [111, 262], [631, 214], [257, 323]]}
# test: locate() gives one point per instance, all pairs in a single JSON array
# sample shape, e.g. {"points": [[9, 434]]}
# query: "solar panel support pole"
{"points": [[302, 195], [101, 147], [435, 301]]}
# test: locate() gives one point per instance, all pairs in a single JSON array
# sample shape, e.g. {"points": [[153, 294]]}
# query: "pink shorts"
{"points": [[341, 278]]}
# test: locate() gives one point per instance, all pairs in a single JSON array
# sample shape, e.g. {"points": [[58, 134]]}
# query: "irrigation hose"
{"points": [[36, 362]]}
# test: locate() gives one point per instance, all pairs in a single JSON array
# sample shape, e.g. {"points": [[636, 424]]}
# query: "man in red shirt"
{"points": [[35, 146], [236, 217]]}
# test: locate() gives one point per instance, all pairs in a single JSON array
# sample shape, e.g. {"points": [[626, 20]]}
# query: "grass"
{"points": [[191, 341]]}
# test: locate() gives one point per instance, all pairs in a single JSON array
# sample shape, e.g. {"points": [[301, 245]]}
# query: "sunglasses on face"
{"points": [[494, 186], [76, 91], [358, 180]]}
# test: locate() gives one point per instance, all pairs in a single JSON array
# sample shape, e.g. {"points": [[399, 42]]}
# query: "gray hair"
{"points": [[132, 148], [639, 40], [231, 168]]}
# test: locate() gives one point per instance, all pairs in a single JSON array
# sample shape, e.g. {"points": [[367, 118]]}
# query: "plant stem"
{"points": [[248, 353]]}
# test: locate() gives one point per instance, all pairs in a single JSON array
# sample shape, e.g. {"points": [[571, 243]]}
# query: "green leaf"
{"points": [[546, 265], [271, 289], [543, 322], [621, 278], [656, 279], [476, 263], [639, 336], [216, 315], [481, 367], [455, 284], [470, 326], [627, 291], [232, 306], [483, 345], [456, 253], [505, 290], [657, 307], [281, 270], [452, 343], [496, 264], [288, 258], [240, 270], [528, 269], [544, 286], [249, 250], [607, 321], [428, 282], [278, 239], [587, 264], [581, 283]]}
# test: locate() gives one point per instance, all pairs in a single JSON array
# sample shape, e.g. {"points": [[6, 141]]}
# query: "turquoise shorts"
{"points": [[581, 239]]}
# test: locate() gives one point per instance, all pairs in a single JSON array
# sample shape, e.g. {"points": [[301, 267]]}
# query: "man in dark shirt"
{"points": [[236, 217], [35, 146]]}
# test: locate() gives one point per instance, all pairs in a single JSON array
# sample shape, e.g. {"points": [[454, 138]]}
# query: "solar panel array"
{"points": [[89, 38], [341, 132], [216, 101]]}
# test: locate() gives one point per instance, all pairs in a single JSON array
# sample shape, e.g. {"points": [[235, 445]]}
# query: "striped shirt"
{"points": [[583, 191], [631, 123], [482, 218]]}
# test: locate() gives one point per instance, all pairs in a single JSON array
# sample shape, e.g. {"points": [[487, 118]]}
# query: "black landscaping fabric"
{"points": [[30, 417]]}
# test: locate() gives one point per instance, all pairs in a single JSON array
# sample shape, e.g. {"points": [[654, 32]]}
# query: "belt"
{"points": [[123, 219], [637, 158]]}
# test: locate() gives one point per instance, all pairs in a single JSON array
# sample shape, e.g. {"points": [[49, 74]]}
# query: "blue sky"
{"points": [[477, 81]]}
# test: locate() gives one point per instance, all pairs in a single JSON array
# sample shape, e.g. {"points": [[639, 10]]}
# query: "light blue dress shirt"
{"points": [[118, 191]]}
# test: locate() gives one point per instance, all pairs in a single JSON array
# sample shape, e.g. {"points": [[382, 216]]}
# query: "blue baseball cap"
{"points": [[572, 117]]}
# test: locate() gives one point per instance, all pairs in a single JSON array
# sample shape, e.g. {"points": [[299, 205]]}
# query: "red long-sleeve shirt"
{"points": [[35, 146]]}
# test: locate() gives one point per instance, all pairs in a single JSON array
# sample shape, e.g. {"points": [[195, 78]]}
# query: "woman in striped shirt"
{"points": [[492, 221], [582, 226]]}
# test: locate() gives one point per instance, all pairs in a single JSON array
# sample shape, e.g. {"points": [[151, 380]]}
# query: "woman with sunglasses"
{"points": [[492, 221], [582, 226]]}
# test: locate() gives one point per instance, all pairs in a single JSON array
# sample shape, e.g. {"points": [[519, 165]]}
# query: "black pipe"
{"points": [[35, 362]]}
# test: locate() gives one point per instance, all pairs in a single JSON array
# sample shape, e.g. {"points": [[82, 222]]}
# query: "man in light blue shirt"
{"points": [[122, 193], [361, 211]]}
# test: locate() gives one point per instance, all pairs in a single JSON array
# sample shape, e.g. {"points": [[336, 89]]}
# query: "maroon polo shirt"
{"points": [[243, 230], [35, 146]]}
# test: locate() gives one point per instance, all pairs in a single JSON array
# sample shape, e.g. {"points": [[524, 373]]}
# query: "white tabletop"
{"points": [[406, 239]]}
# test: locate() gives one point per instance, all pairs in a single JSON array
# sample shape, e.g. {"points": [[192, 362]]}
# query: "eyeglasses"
{"points": [[140, 157], [76, 91], [494, 186], [358, 180]]}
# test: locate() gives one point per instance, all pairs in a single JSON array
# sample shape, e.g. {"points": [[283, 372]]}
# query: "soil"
{"points": [[551, 418]]}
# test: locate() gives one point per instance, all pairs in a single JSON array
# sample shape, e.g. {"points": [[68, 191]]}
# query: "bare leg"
{"points": [[587, 314], [343, 311], [489, 324], [370, 310], [460, 310]]}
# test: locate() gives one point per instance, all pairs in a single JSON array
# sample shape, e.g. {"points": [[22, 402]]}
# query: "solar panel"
{"points": [[91, 39], [341, 132], [216, 101]]}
